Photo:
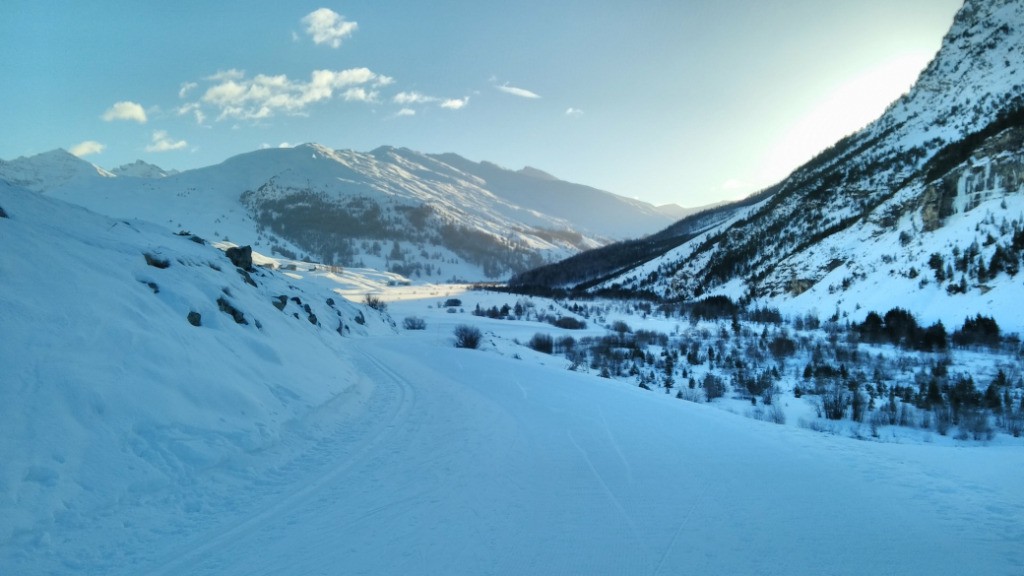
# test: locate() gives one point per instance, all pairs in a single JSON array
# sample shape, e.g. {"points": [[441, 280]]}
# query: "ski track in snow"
{"points": [[330, 454], [459, 477]]}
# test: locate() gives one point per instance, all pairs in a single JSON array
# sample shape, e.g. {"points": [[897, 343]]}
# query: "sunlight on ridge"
{"points": [[848, 108]]}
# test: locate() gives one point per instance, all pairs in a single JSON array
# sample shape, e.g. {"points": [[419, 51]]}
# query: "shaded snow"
{"points": [[135, 443]]}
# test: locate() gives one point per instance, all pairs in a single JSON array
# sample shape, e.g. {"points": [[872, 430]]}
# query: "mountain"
{"points": [[420, 215], [163, 412], [922, 208], [677, 212], [51, 170], [140, 169]]}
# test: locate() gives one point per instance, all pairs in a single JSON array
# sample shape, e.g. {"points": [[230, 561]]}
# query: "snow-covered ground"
{"points": [[133, 442]]}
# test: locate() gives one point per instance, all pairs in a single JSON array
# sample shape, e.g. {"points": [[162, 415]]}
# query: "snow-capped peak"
{"points": [[140, 169], [49, 170]]}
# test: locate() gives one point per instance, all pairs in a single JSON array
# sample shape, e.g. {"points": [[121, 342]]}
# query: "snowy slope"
{"points": [[452, 209], [51, 170], [136, 443], [140, 169], [854, 229], [587, 209], [110, 396]]}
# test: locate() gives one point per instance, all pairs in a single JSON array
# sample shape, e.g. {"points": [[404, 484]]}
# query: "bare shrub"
{"points": [[943, 419], [690, 394], [542, 343], [834, 401], [878, 419], [974, 424], [772, 413], [817, 425], [414, 323], [467, 336], [375, 303], [1015, 424]]}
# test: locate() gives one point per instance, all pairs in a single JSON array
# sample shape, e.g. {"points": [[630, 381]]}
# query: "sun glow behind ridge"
{"points": [[849, 107]]}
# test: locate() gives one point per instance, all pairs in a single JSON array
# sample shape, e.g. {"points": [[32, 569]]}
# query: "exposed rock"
{"points": [[191, 237], [227, 308], [195, 318], [247, 278], [798, 286], [156, 261], [240, 256]]}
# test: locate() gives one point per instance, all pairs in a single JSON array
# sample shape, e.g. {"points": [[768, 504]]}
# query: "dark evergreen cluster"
{"points": [[956, 153], [888, 370], [900, 328], [1000, 251], [331, 230]]}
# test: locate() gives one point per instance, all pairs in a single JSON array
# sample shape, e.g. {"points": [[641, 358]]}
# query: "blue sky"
{"points": [[685, 101]]}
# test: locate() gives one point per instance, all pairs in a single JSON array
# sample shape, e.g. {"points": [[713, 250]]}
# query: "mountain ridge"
{"points": [[473, 220], [867, 212]]}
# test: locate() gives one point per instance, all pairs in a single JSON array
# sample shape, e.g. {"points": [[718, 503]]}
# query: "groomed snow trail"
{"points": [[465, 462]]}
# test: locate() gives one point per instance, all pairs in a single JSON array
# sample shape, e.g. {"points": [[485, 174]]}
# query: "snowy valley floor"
{"points": [[463, 462], [135, 443]]}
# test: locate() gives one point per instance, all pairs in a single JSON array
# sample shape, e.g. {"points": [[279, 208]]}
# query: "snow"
{"points": [[838, 210], [869, 249], [136, 443], [140, 169], [51, 170], [521, 208], [321, 438]]}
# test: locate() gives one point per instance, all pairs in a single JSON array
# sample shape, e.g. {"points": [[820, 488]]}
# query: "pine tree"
{"points": [[992, 399]]}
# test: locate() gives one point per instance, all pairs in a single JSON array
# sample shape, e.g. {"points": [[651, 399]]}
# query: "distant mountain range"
{"points": [[922, 208], [435, 216]]}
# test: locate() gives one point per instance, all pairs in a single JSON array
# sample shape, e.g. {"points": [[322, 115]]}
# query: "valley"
{"points": [[320, 429], [309, 360]]}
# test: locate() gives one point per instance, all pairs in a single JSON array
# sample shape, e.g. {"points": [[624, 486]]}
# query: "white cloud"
{"points": [[406, 112], [125, 110], [515, 91], [455, 103], [326, 26], [186, 87], [574, 112], [407, 98], [232, 74], [192, 108], [412, 98], [86, 148], [162, 142], [360, 95], [236, 96]]}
